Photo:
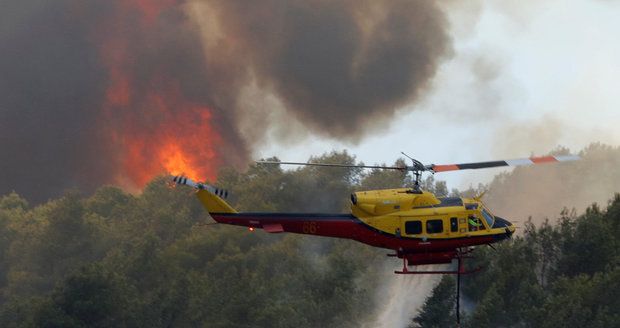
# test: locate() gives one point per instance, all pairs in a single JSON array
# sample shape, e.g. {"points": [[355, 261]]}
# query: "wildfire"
{"points": [[181, 145], [176, 161], [155, 127]]}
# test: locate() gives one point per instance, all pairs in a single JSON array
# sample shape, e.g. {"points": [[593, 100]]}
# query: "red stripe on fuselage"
{"points": [[349, 227], [327, 225]]}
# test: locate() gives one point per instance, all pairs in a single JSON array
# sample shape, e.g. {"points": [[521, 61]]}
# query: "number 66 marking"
{"points": [[309, 227]]}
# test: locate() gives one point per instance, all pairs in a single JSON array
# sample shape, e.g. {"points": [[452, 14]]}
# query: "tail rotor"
{"points": [[185, 181]]}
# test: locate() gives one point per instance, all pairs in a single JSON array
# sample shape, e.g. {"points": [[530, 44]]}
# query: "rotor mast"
{"points": [[416, 168]]}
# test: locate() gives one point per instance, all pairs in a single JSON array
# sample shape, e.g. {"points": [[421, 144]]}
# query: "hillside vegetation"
{"points": [[561, 275], [562, 270], [113, 259], [152, 260]]}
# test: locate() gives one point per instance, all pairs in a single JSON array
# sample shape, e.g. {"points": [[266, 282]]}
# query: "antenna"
{"points": [[411, 158]]}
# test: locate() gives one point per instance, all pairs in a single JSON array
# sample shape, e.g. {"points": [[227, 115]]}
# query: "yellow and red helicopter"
{"points": [[419, 227]]}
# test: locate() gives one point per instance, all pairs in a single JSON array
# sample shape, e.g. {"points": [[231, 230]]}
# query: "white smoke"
{"points": [[401, 296]]}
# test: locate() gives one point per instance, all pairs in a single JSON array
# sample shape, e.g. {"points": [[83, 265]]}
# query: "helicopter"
{"points": [[416, 225], [419, 227]]}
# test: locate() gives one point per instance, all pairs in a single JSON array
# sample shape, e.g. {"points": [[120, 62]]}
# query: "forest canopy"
{"points": [[154, 259]]}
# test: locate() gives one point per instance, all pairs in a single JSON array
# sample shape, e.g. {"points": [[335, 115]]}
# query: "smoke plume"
{"points": [[401, 297], [119, 91], [337, 66]]}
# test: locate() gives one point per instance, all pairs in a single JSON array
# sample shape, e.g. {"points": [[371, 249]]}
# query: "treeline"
{"points": [[562, 270], [114, 259], [561, 275]]}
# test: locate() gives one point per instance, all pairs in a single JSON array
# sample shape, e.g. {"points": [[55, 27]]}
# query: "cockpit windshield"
{"points": [[488, 217]]}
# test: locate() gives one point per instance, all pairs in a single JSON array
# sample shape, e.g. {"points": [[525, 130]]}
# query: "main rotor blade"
{"points": [[510, 162], [337, 165]]}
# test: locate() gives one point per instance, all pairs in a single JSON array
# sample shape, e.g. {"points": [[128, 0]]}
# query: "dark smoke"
{"points": [[55, 65], [51, 85], [339, 67]]}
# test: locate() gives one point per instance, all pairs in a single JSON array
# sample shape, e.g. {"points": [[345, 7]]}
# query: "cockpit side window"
{"points": [[474, 223], [488, 217]]}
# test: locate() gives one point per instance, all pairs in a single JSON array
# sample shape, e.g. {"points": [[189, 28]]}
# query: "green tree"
{"points": [[91, 297], [439, 308], [385, 179]]}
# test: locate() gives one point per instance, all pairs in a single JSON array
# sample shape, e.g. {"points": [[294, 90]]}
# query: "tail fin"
{"points": [[209, 196]]}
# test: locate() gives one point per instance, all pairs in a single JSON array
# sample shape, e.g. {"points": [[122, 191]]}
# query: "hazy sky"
{"points": [[525, 77]]}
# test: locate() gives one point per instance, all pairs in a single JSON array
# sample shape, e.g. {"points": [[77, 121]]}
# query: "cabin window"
{"points": [[434, 226], [413, 227], [454, 224]]}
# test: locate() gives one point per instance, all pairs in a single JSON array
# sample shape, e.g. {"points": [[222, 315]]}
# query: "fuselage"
{"points": [[419, 227], [396, 219]]}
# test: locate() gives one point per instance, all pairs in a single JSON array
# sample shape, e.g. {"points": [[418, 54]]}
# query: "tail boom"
{"points": [[328, 225]]}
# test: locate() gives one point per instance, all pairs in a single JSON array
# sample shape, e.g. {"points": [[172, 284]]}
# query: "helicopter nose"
{"points": [[503, 223]]}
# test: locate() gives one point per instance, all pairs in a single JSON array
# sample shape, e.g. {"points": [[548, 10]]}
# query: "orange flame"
{"points": [[157, 131]]}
